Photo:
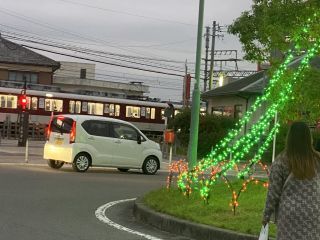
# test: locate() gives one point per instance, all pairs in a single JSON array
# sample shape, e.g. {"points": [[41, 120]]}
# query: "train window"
{"points": [[117, 111], [75, 106], [143, 112], [84, 106], [8, 101], [95, 108], [106, 108], [32, 103], [153, 113], [71, 106], [111, 110], [78, 107], [133, 112], [162, 114], [53, 105]]}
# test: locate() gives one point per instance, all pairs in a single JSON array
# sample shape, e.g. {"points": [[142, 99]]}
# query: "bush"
{"points": [[211, 130]]}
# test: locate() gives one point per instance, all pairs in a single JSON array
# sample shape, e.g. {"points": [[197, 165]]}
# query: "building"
{"points": [[19, 64], [234, 98], [81, 78]]}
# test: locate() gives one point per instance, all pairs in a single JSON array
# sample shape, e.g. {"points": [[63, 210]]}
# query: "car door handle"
{"points": [[118, 141], [91, 138]]}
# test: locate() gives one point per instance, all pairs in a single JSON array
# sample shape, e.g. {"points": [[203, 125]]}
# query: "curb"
{"points": [[183, 227]]}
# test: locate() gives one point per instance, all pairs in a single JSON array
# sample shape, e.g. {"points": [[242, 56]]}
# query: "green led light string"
{"points": [[284, 97], [280, 72], [202, 165]]}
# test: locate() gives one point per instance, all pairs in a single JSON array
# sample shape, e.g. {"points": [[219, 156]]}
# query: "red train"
{"points": [[147, 116]]}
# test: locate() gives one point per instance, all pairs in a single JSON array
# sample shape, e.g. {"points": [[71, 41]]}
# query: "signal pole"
{"points": [[23, 117], [195, 110]]}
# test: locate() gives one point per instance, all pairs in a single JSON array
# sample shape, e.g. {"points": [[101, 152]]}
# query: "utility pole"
{"points": [[213, 41], [184, 91], [206, 60], [195, 110]]}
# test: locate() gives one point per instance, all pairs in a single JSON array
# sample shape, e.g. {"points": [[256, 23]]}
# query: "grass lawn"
{"points": [[218, 212]]}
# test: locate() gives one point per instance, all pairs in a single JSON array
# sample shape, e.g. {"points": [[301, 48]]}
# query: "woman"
{"points": [[294, 188]]}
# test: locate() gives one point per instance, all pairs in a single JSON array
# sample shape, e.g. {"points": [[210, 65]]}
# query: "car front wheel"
{"points": [[81, 162], [55, 164], [150, 165]]}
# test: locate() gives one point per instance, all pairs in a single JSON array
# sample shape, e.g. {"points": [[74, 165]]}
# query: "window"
{"points": [[150, 113], [83, 73], [75, 106], [32, 103], [8, 101], [123, 131], [29, 77], [238, 111], [112, 109], [96, 128], [95, 108], [162, 114], [53, 105], [133, 112], [61, 125], [222, 111], [117, 111]]}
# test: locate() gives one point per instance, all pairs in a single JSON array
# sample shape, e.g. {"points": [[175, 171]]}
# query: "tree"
{"points": [[268, 24], [272, 26]]}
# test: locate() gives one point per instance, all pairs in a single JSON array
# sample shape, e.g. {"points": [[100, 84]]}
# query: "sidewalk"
{"points": [[11, 153]]}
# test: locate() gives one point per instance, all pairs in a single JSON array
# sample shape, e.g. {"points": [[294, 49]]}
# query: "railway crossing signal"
{"points": [[23, 101]]}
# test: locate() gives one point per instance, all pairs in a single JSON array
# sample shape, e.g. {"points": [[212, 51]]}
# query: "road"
{"points": [[39, 203]]}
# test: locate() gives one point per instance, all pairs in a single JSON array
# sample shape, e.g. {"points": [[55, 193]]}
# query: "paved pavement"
{"points": [[11, 153]]}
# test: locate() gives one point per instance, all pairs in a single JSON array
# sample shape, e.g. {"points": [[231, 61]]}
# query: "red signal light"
{"points": [[23, 101]]}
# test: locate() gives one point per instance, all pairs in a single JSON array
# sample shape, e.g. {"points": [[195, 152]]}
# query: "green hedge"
{"points": [[211, 129]]}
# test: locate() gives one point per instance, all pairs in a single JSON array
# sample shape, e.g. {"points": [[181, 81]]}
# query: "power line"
{"points": [[127, 13], [85, 51], [65, 31], [103, 62], [109, 53]]}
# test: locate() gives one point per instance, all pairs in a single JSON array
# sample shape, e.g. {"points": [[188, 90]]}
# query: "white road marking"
{"points": [[101, 215]]}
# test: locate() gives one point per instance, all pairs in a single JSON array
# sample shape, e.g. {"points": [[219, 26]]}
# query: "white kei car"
{"points": [[85, 141]]}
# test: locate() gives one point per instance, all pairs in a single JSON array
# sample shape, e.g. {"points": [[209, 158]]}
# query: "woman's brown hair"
{"points": [[301, 155]]}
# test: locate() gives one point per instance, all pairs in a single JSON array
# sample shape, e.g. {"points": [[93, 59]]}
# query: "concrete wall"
{"points": [[72, 69]]}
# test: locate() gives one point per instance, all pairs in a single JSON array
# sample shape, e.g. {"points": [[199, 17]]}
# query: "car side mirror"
{"points": [[139, 139]]}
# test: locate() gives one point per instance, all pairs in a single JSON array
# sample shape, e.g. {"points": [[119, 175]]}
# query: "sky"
{"points": [[161, 29]]}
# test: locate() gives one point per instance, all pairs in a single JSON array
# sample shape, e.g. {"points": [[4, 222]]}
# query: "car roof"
{"points": [[82, 118]]}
